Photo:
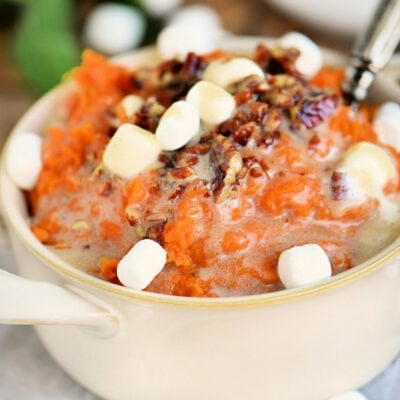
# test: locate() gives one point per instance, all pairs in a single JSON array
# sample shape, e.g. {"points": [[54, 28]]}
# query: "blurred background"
{"points": [[41, 39]]}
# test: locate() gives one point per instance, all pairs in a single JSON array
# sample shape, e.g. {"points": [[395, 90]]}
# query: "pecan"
{"points": [[339, 185], [272, 121], [181, 172], [310, 112], [149, 114], [132, 214], [270, 138], [277, 60], [226, 162], [178, 190], [200, 148], [279, 98], [244, 133], [107, 188], [314, 142], [186, 159], [193, 66], [155, 231]]}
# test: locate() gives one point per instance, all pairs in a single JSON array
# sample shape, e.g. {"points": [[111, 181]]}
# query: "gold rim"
{"points": [[21, 228]]}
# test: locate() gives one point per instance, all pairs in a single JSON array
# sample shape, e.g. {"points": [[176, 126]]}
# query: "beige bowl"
{"points": [[303, 344]]}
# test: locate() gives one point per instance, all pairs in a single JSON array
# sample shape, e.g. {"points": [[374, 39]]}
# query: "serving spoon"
{"points": [[372, 50]]}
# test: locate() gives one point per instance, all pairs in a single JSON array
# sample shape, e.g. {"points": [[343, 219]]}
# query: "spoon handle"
{"points": [[373, 49]]}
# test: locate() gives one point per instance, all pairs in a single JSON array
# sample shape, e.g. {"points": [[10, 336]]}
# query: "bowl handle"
{"points": [[28, 302]]}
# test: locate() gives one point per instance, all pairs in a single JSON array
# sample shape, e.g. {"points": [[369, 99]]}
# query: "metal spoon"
{"points": [[372, 50]]}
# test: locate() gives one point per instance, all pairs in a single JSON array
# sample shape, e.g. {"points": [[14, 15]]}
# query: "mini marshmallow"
{"points": [[200, 16], [387, 124], [353, 395], [215, 104], [114, 28], [368, 168], [131, 150], [131, 104], [179, 124], [24, 159], [303, 265], [224, 73], [176, 41], [141, 264], [160, 8], [309, 61]]}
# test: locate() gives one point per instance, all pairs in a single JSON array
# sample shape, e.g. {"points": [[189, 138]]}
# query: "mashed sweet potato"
{"points": [[222, 226]]}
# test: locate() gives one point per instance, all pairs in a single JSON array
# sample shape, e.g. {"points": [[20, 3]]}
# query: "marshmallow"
{"points": [[130, 151], [303, 265], [114, 28], [215, 104], [387, 124], [176, 41], [353, 395], [200, 16], [223, 73], [309, 61], [24, 159], [179, 124], [368, 168], [131, 104], [160, 8], [141, 264]]}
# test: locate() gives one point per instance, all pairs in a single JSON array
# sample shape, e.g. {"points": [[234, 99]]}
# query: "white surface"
{"points": [[27, 372]]}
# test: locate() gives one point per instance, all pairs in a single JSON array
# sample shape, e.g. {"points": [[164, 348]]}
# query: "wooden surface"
{"points": [[249, 17]]}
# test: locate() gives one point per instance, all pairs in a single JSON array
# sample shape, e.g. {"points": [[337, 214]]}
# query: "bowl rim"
{"points": [[19, 222]]}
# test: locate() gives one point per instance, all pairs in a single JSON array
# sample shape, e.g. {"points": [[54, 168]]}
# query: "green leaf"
{"points": [[45, 46]]}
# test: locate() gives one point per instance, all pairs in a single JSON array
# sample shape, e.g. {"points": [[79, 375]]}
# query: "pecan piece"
{"points": [[339, 185], [226, 162], [155, 231], [310, 112]]}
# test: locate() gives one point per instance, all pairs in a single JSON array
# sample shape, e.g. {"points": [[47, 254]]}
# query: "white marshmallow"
{"points": [[141, 264], [178, 125], [176, 41], [309, 61], [368, 168], [130, 151], [353, 395], [114, 28], [302, 265], [131, 104], [24, 159], [200, 16], [215, 104], [160, 8], [387, 124], [223, 73]]}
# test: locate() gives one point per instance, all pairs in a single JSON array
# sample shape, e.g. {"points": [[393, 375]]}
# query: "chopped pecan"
{"points": [[200, 148], [314, 142], [132, 214], [339, 185], [270, 138], [186, 159], [310, 112], [272, 121], [226, 162], [176, 192], [193, 66], [277, 60], [149, 114], [243, 133], [181, 172], [155, 231], [107, 188]]}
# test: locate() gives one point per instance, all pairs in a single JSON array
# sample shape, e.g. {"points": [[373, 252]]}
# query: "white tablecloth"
{"points": [[27, 372]]}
